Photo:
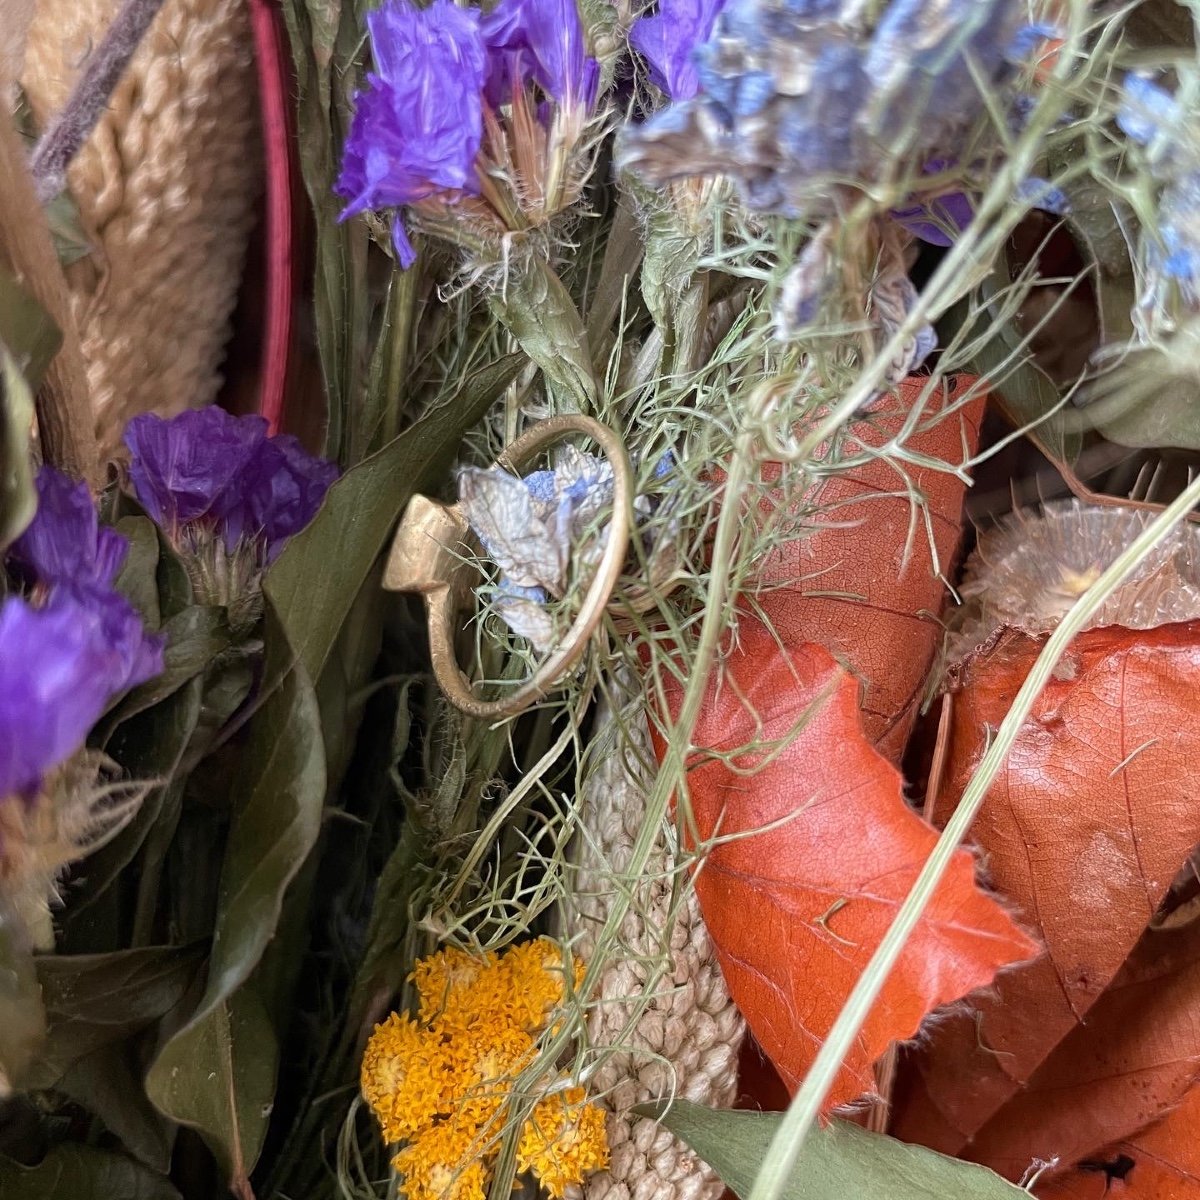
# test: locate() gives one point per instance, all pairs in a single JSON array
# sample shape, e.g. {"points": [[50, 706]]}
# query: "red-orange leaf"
{"points": [[865, 583], [1132, 1061], [1163, 1163], [795, 911], [1083, 831]]}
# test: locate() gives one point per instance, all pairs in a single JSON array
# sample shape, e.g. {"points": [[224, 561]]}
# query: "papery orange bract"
{"points": [[864, 583], [796, 911], [1083, 831], [1162, 1163]]}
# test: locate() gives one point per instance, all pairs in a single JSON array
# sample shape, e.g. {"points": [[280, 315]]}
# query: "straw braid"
{"points": [[166, 187], [691, 1022]]}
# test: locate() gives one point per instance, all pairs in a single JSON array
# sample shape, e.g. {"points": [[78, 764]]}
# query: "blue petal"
{"points": [[1043, 195], [1146, 109], [1028, 37]]}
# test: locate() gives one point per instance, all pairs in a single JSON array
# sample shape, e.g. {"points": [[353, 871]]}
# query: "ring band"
{"points": [[431, 555]]}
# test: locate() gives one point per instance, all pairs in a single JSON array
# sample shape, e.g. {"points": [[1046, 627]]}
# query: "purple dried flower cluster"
{"points": [[539, 41], [792, 92], [65, 654], [667, 40], [207, 474], [418, 127]]}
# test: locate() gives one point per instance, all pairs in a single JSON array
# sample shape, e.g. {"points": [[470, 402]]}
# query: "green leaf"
{"points": [[18, 499], [195, 637], [359, 513], [838, 1162], [92, 1000], [622, 254], [27, 330], [137, 580], [66, 228], [1141, 402], [1160, 23], [379, 423], [175, 590], [1023, 390], [108, 1084], [276, 817], [218, 1076], [76, 1172], [538, 311], [22, 1017], [327, 48], [149, 746]]}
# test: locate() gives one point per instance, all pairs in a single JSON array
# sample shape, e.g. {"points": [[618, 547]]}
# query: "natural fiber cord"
{"points": [[166, 187], [686, 1042]]}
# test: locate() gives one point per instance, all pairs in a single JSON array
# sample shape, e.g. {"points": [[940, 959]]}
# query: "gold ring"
{"points": [[432, 551]]}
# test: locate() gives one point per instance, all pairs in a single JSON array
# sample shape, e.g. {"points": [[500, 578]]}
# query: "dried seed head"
{"points": [[79, 808], [1030, 569], [686, 1040]]}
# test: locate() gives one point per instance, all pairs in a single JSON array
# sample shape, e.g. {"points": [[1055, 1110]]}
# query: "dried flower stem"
{"points": [[64, 411], [103, 70]]}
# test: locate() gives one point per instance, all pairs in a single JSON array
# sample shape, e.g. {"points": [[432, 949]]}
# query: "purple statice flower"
{"points": [[936, 219], [184, 468], [208, 474], [60, 666], [1147, 111], [282, 488], [418, 126], [542, 41], [667, 39], [932, 219], [65, 541]]}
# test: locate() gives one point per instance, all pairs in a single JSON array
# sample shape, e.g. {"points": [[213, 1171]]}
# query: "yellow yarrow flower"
{"points": [[536, 974], [441, 1083], [563, 1142], [445, 1162], [447, 980], [406, 1076]]}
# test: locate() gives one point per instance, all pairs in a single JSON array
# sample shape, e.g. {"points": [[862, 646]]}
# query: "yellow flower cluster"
{"points": [[439, 1083]]}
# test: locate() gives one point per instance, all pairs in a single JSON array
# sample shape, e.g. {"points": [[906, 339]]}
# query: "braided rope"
{"points": [[166, 186]]}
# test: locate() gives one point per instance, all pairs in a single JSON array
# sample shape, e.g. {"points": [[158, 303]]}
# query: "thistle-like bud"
{"points": [[76, 809]]}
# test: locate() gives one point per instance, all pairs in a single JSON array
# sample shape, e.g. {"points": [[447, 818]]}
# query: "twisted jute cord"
{"points": [[166, 186], [686, 1042]]}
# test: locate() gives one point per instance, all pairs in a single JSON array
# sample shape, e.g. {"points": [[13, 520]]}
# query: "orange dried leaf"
{"points": [[1163, 1163], [866, 583], [1083, 831], [1133, 1061], [796, 910]]}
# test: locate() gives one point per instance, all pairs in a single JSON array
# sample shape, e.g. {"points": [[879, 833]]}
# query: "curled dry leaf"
{"points": [[1084, 830], [1134, 1059], [1162, 1163], [816, 851], [866, 583]]}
